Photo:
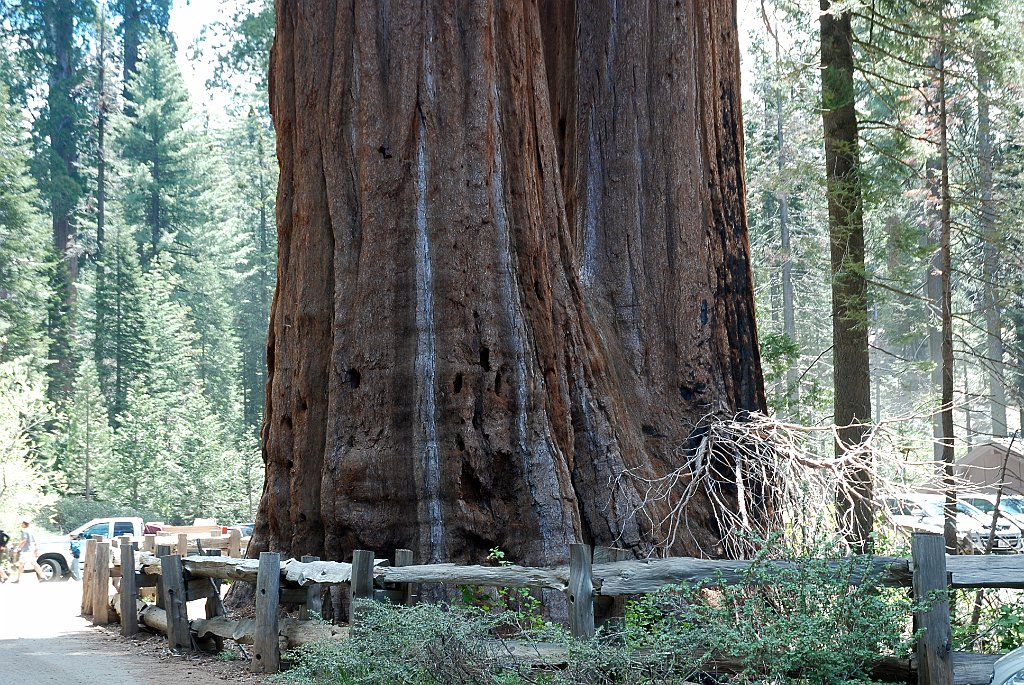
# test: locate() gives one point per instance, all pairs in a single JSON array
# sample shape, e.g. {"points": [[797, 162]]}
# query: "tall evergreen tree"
{"points": [[155, 142], [250, 158], [851, 366], [121, 346], [87, 438], [26, 253], [52, 35]]}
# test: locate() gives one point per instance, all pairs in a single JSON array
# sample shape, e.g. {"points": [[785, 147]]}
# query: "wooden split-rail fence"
{"points": [[595, 583]]}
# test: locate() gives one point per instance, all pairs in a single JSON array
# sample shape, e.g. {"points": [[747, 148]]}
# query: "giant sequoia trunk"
{"points": [[513, 265]]}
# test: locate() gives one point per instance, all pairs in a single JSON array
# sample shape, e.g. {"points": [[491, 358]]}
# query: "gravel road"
{"points": [[43, 641]]}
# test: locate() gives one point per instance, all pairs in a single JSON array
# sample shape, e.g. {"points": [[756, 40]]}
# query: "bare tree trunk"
{"points": [[131, 28], [946, 311], [990, 235], [63, 192], [788, 307], [851, 363], [498, 290], [101, 129]]}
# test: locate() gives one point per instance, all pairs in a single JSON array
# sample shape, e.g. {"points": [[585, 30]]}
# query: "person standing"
{"points": [[28, 549], [4, 539], [76, 552]]}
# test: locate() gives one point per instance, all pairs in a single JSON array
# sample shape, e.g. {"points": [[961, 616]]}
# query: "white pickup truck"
{"points": [[55, 553]]}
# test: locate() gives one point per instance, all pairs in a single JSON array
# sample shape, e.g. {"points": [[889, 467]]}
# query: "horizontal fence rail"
{"points": [[610, 579], [593, 585]]}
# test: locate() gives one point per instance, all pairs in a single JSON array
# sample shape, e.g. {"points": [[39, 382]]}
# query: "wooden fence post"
{"points": [[129, 591], [266, 656], [314, 596], [581, 592], [234, 543], [179, 634], [161, 552], [931, 588], [361, 586], [101, 584], [149, 543], [87, 557], [183, 545], [403, 557]]}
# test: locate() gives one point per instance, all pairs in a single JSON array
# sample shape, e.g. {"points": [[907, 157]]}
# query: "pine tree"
{"points": [[88, 438], [155, 142], [26, 255], [51, 34], [249, 156], [122, 349]]}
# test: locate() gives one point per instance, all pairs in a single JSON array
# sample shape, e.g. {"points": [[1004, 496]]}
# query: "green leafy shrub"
{"points": [[422, 645], [800, 622], [810, 619], [518, 608], [1000, 625]]}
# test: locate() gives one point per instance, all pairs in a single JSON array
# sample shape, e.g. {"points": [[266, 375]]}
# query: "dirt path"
{"points": [[44, 641]]}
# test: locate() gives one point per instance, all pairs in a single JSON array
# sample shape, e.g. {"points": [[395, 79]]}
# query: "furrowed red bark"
{"points": [[647, 112], [467, 348]]}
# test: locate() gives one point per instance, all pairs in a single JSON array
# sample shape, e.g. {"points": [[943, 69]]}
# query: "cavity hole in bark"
{"points": [[352, 378], [302, 518], [286, 421], [457, 385], [537, 290], [383, 150], [302, 404], [497, 383], [648, 429], [460, 444], [704, 313], [485, 358], [290, 464], [351, 441]]}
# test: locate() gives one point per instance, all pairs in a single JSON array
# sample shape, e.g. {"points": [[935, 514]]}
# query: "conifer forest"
{"points": [[457, 276]]}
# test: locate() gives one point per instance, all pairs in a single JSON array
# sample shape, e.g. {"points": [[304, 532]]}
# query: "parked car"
{"points": [[1009, 510], [913, 512], [1013, 504], [55, 552], [1009, 670]]}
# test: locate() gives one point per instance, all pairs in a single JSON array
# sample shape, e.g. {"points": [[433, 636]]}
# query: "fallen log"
{"points": [[292, 633]]}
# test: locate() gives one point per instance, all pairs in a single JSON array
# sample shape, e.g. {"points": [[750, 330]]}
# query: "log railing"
{"points": [[590, 581]]}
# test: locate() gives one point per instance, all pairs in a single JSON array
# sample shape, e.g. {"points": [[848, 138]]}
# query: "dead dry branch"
{"points": [[760, 477]]}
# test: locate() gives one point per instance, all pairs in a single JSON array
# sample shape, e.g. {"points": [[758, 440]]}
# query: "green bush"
{"points": [[1000, 626], [419, 645], [801, 622], [518, 609]]}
